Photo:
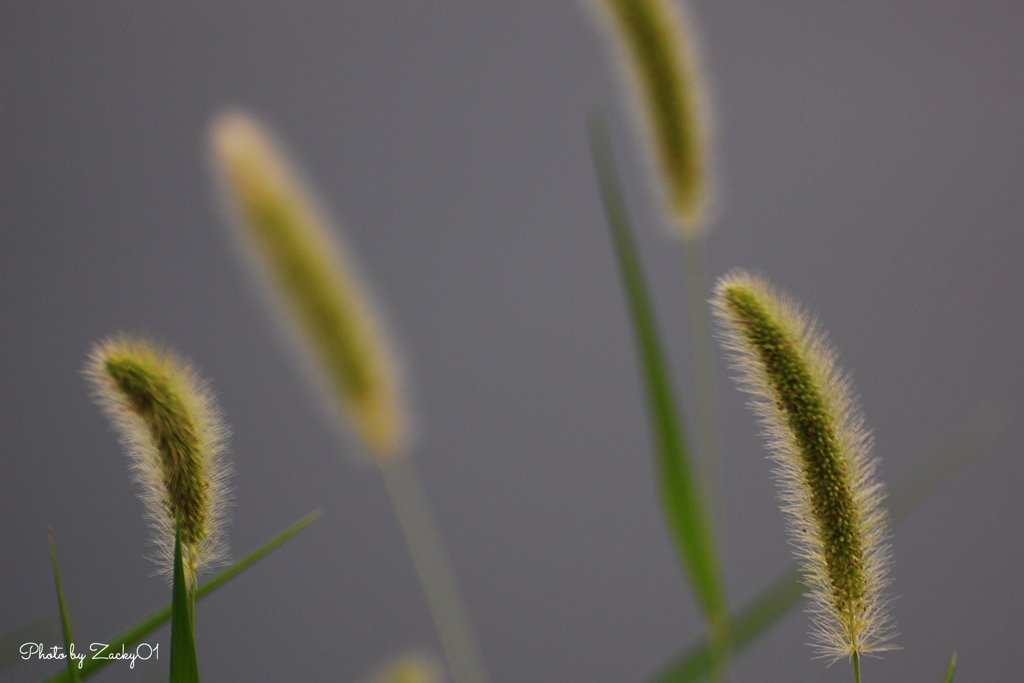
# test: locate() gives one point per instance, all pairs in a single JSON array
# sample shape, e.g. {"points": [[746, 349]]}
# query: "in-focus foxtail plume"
{"points": [[822, 450], [311, 276], [660, 51], [165, 417]]}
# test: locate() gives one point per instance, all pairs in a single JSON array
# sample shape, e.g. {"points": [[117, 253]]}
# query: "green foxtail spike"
{"points": [[823, 456], [319, 290], [167, 420], [662, 62]]}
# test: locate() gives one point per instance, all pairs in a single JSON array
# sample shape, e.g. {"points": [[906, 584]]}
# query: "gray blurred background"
{"points": [[870, 161]]}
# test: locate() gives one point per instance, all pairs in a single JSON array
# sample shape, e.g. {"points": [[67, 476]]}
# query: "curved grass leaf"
{"points": [[951, 670], [787, 590], [157, 619], [65, 621], [683, 504]]}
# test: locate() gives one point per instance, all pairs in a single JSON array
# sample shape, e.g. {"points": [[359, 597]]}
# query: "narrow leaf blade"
{"points": [[65, 621], [158, 618], [184, 661], [684, 507], [951, 670]]}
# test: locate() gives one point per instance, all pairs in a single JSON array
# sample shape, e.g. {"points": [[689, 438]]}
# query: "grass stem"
{"points": [[434, 570], [702, 364], [184, 661]]}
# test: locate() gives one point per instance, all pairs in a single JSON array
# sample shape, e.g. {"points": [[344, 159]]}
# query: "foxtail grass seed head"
{"points": [[822, 452], [316, 284], [413, 668], [166, 418], [662, 62]]}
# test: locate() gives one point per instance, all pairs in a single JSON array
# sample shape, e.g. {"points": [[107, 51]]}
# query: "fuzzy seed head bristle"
{"points": [[662, 67], [306, 271], [165, 417], [824, 465]]}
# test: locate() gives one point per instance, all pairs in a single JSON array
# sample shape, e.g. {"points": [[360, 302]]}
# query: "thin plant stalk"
{"points": [[702, 364], [856, 667], [423, 537]]}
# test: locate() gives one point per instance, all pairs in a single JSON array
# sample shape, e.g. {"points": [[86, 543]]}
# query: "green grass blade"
{"points": [[225, 575], [65, 621], [157, 619], [184, 661], [684, 507], [38, 631], [951, 670], [787, 590]]}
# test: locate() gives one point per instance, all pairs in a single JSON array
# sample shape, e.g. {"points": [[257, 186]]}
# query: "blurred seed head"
{"points": [[660, 61], [411, 668], [308, 273]]}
